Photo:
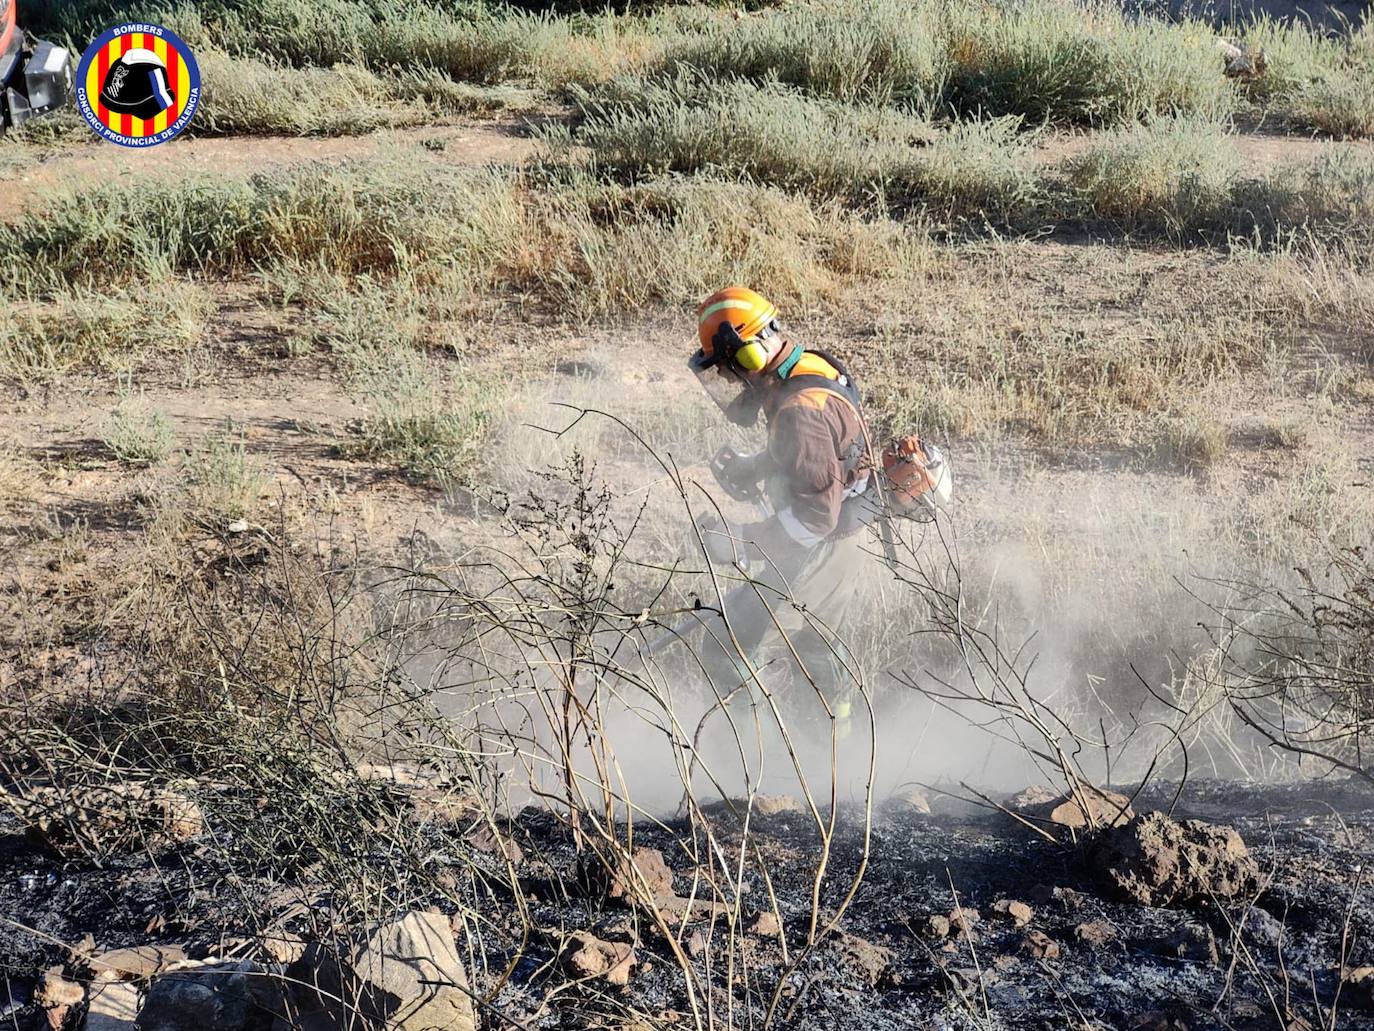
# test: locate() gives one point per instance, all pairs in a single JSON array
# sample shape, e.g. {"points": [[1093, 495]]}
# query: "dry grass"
{"points": [[81, 328], [1172, 174]]}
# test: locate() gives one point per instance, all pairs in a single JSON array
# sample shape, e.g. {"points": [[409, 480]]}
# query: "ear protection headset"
{"points": [[750, 355]]}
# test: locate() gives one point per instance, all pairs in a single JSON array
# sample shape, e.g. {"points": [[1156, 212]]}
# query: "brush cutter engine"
{"points": [[917, 482], [35, 75]]}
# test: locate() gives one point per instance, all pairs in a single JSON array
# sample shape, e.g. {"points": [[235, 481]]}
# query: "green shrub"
{"points": [[433, 433], [136, 434], [769, 134], [222, 480], [351, 217], [1173, 173], [883, 52], [1330, 199], [1082, 64], [1340, 106]]}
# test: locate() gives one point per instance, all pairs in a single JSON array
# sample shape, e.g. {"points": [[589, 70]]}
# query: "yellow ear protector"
{"points": [[751, 355]]}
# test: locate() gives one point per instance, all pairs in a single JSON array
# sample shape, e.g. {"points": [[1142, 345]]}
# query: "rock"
{"points": [[225, 996], [936, 927], [1262, 928], [135, 964], [963, 919], [1067, 898], [622, 882], [677, 910], [1039, 945], [1095, 933], [107, 819], [281, 946], [1087, 808], [872, 963], [1018, 913], [766, 925], [113, 1006], [586, 956], [1192, 942], [775, 805], [1240, 63], [486, 838], [696, 944], [59, 1000], [908, 801], [405, 974], [1156, 861], [1035, 795]]}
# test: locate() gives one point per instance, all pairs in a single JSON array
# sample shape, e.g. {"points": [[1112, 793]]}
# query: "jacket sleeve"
{"points": [[802, 444]]}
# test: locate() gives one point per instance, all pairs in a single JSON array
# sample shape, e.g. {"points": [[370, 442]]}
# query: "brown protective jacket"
{"points": [[818, 445]]}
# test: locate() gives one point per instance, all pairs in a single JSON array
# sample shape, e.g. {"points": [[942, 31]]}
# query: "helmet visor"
{"points": [[727, 387]]}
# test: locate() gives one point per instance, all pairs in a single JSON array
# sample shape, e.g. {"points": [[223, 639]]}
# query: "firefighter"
{"points": [[808, 550]]}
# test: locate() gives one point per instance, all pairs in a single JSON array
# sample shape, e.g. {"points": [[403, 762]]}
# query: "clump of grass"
{"points": [[769, 134], [354, 217], [136, 434], [1173, 173], [1330, 200], [885, 52], [42, 338], [222, 479], [1081, 64], [1312, 79], [433, 433], [687, 124], [1194, 442], [246, 96], [1340, 106], [601, 248]]}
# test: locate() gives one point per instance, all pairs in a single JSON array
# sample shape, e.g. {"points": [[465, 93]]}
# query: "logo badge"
{"points": [[138, 85]]}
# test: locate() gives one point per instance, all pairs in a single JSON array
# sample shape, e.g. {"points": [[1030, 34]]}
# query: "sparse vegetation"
{"points": [[222, 479], [434, 430], [137, 434]]}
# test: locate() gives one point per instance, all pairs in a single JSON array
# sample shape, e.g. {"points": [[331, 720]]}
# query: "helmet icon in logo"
{"points": [[136, 85]]}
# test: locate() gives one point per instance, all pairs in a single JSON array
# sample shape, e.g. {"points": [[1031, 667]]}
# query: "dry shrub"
{"points": [[83, 328], [1082, 64], [883, 53], [1175, 174]]}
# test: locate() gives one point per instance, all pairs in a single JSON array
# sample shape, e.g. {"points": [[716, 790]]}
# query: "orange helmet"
{"points": [[733, 325]]}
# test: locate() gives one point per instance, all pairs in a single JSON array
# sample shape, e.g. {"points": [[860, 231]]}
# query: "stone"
{"points": [[1262, 928], [652, 870], [1095, 933], [872, 963], [281, 946], [405, 974], [486, 838], [107, 819], [1157, 861], [1192, 942], [766, 925], [775, 805], [60, 1000], [224, 996], [935, 927], [113, 1006], [1087, 808], [135, 964], [1039, 945], [585, 956], [908, 801], [676, 910], [1035, 795], [1017, 912], [963, 919]]}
